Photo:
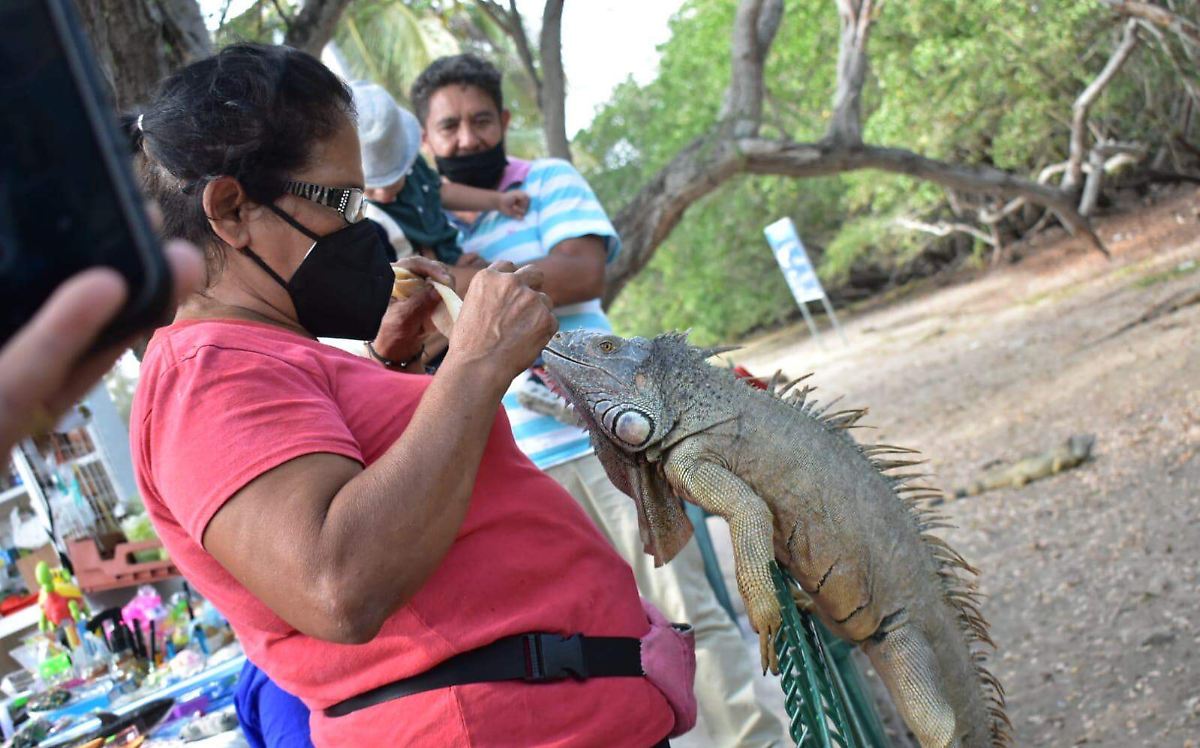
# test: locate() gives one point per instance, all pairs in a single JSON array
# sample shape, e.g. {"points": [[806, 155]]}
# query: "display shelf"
{"points": [[23, 619], [15, 492]]}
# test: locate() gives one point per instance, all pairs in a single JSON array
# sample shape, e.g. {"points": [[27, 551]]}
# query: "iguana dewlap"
{"points": [[797, 489], [446, 314]]}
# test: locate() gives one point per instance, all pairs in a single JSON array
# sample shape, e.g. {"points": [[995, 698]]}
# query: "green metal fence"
{"points": [[826, 702]]}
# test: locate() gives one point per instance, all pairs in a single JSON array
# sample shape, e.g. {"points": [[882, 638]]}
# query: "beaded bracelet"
{"points": [[389, 363]]}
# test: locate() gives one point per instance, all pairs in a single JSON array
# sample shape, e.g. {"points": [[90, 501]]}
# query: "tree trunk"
{"points": [[129, 42], [845, 127], [1083, 104], [552, 95], [139, 42], [313, 26]]}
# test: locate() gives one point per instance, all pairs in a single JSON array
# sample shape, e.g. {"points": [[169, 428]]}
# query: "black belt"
{"points": [[536, 658]]}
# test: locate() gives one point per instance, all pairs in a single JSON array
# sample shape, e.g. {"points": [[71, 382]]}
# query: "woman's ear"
{"points": [[224, 203]]}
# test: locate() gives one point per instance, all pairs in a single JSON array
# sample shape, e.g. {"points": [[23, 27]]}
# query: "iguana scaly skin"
{"points": [[1072, 453], [794, 487]]}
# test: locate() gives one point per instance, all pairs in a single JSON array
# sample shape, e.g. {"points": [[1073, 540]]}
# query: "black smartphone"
{"points": [[68, 200]]}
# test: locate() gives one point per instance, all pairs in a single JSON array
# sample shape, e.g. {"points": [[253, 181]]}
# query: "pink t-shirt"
{"points": [[221, 402]]}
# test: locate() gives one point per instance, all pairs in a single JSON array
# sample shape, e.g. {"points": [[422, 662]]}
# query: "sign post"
{"points": [[799, 273]]}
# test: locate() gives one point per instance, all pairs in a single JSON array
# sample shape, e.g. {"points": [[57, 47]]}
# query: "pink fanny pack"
{"points": [[669, 662]]}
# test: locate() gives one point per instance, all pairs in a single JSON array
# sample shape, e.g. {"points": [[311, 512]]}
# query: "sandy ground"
{"points": [[1093, 575]]}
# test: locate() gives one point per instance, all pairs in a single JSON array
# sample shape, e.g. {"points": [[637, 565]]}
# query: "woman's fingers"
{"points": [[426, 268], [531, 276], [502, 266]]}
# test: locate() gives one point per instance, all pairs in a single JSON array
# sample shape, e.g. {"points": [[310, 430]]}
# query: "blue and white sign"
{"points": [[793, 260]]}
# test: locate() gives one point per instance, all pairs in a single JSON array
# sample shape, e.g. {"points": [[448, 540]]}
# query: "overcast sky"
{"points": [[604, 41]]}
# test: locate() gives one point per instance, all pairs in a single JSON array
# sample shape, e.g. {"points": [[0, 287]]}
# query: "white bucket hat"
{"points": [[389, 135]]}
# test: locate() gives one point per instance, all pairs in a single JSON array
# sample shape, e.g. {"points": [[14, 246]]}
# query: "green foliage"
{"points": [[390, 43], [967, 81]]}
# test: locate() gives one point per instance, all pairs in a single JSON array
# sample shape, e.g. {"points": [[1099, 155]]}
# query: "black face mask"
{"points": [[342, 286], [482, 170]]}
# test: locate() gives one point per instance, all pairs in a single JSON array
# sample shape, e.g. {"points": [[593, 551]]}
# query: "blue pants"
{"points": [[270, 717]]}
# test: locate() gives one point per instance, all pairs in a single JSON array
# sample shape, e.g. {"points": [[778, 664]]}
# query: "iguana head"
{"points": [[607, 379], [614, 384]]}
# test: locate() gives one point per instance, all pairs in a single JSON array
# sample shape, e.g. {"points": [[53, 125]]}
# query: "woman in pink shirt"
{"points": [[374, 536]]}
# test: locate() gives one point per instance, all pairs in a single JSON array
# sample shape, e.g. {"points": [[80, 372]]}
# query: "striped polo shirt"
{"points": [[561, 206]]}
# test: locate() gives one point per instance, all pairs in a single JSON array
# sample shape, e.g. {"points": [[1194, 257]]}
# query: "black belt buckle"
{"points": [[552, 657]]}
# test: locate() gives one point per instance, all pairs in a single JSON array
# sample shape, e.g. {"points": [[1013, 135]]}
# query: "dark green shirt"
{"points": [[418, 211]]}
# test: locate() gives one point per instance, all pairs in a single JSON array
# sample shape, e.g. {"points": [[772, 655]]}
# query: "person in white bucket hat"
{"points": [[406, 196]]}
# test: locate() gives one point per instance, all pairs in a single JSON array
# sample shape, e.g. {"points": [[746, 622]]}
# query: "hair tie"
{"points": [[139, 123]]}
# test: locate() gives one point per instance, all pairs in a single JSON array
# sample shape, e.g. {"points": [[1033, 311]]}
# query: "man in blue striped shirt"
{"points": [[567, 234]]}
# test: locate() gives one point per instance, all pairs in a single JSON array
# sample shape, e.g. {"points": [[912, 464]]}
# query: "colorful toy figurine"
{"points": [[59, 600]]}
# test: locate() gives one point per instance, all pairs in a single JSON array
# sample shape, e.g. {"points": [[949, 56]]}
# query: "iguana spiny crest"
{"points": [[794, 487]]}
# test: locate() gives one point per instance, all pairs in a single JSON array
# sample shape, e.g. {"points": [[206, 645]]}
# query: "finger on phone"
{"points": [[154, 213], [39, 358], [187, 265]]}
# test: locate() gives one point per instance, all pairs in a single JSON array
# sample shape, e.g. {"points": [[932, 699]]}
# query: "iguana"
{"points": [[1072, 453], [795, 488]]}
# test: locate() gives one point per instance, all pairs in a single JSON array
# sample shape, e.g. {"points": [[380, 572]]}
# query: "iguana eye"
{"points": [[607, 346]]}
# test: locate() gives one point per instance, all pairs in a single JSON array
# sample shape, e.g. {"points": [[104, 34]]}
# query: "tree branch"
{"points": [[1083, 104], [552, 92], [513, 25], [845, 126], [754, 29], [945, 229], [184, 29], [1159, 16], [822, 159], [313, 27], [1182, 69], [1105, 157], [646, 220]]}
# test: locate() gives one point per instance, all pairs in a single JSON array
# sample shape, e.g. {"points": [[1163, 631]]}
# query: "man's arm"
{"points": [[574, 270]]}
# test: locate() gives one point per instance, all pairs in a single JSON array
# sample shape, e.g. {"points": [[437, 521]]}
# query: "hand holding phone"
{"points": [[68, 201], [46, 366]]}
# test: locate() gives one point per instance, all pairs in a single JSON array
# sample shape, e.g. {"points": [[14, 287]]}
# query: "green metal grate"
{"points": [[823, 693]]}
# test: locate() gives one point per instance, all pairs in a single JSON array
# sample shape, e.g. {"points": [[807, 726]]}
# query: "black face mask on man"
{"points": [[482, 170], [342, 286]]}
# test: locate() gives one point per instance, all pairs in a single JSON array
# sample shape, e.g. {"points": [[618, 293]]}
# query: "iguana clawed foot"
{"points": [[766, 619], [802, 599]]}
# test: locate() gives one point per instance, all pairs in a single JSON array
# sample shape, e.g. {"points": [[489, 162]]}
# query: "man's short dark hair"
{"points": [[457, 70]]}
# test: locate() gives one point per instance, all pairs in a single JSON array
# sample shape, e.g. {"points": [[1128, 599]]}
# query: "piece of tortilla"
{"points": [[446, 313]]}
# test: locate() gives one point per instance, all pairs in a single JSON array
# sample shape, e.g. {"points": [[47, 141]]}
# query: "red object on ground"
{"points": [[743, 373], [13, 603]]}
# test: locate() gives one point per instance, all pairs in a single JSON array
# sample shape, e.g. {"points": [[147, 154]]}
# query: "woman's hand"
{"points": [[504, 323], [403, 328], [43, 369]]}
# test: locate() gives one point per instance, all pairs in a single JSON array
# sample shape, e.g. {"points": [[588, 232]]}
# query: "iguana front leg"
{"points": [[716, 489]]}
